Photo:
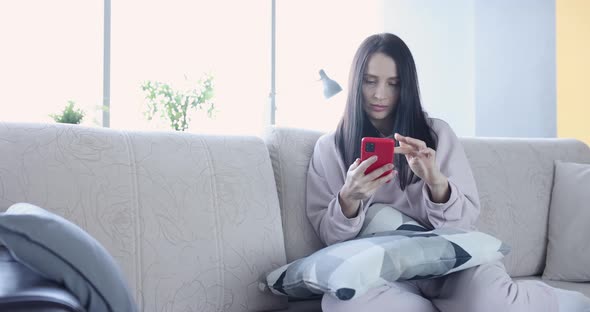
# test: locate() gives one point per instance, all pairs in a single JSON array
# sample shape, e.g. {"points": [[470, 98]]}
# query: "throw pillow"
{"points": [[383, 218], [568, 249], [61, 251], [349, 269]]}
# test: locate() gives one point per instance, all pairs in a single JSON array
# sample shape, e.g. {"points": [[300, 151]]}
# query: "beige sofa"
{"points": [[195, 220]]}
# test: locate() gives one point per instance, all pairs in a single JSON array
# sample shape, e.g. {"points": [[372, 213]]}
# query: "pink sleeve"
{"points": [[323, 208], [462, 208]]}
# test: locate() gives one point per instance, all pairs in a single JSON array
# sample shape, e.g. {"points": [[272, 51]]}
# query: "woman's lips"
{"points": [[378, 108]]}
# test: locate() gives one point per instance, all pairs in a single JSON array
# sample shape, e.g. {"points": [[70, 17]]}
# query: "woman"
{"points": [[432, 183]]}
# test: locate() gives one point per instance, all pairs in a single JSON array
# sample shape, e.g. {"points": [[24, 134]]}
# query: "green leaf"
{"points": [[69, 114], [175, 105]]}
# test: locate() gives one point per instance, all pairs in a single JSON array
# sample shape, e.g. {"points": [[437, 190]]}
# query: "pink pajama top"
{"points": [[327, 173]]}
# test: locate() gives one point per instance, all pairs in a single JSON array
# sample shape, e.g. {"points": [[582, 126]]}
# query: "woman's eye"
{"points": [[370, 81]]}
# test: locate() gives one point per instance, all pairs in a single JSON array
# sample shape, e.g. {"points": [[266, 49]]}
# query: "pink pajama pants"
{"points": [[486, 288]]}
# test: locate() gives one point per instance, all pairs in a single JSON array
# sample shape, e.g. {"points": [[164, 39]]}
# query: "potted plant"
{"points": [[174, 105], [69, 115]]}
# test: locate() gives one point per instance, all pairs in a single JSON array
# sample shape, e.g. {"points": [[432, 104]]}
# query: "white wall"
{"points": [[440, 35], [486, 67], [515, 85]]}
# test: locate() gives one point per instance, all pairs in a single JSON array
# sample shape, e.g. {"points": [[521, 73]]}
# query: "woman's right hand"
{"points": [[359, 186]]}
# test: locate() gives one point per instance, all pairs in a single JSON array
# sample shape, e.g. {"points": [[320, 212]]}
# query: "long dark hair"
{"points": [[409, 118]]}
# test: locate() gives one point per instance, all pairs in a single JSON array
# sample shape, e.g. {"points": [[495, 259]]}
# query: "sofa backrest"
{"points": [[290, 152], [193, 220], [514, 179]]}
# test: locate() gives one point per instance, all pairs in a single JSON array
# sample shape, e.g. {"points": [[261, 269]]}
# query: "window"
{"points": [[51, 54], [166, 41]]}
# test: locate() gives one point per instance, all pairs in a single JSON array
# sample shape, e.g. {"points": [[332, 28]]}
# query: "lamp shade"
{"points": [[331, 87]]}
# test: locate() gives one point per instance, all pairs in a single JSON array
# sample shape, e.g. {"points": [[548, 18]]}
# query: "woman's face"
{"points": [[380, 90]]}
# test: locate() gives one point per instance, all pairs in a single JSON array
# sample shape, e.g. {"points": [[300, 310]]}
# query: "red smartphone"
{"points": [[383, 148]]}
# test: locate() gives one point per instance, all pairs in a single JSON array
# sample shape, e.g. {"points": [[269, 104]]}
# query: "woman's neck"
{"points": [[384, 127]]}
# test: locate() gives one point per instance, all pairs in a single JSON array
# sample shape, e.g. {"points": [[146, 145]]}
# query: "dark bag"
{"points": [[22, 289]]}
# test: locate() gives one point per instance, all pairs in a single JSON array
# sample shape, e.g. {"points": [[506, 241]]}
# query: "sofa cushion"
{"points": [[65, 254], [290, 152], [514, 178], [382, 218], [584, 288], [568, 250], [390, 247], [349, 269]]}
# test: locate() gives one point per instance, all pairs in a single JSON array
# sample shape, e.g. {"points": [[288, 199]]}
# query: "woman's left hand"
{"points": [[421, 159]]}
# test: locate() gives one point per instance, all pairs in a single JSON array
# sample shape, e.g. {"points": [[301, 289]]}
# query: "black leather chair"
{"points": [[22, 289]]}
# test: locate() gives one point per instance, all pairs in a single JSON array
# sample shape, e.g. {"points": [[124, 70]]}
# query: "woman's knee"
{"points": [[480, 288], [490, 288]]}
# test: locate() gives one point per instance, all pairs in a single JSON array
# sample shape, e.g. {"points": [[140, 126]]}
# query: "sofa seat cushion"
{"points": [[584, 288]]}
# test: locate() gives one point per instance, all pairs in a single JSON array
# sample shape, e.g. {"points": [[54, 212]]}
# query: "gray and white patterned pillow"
{"points": [[383, 218], [349, 269]]}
